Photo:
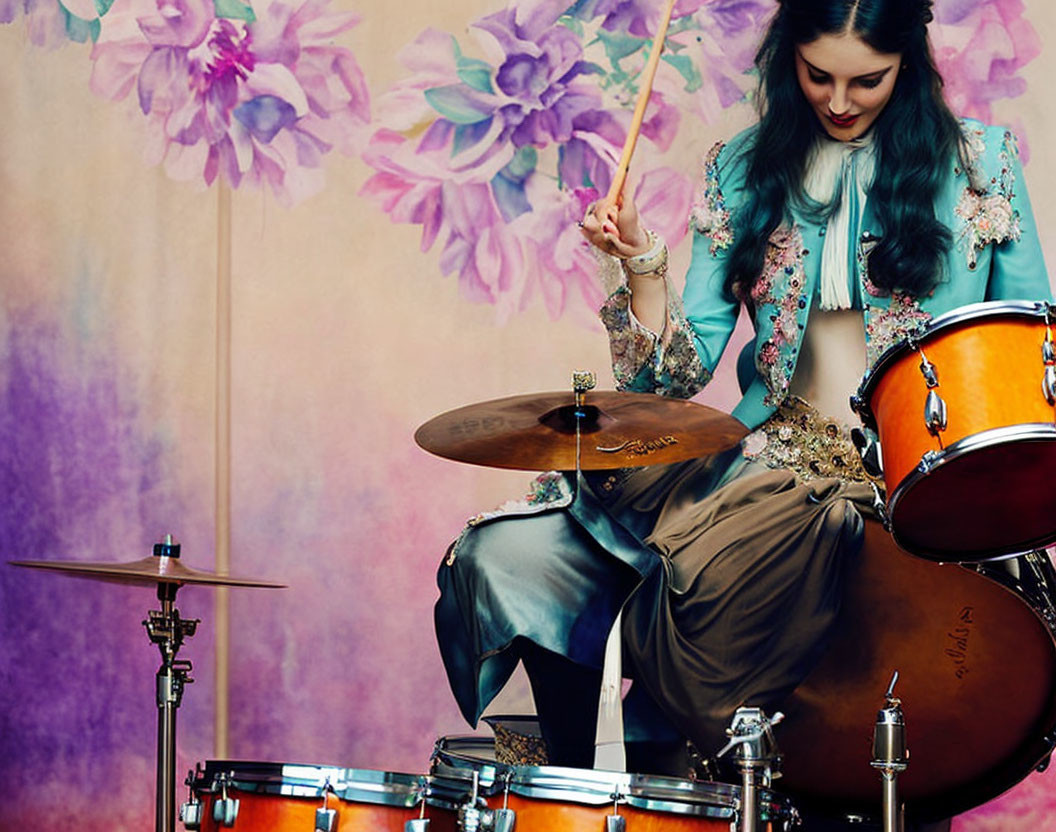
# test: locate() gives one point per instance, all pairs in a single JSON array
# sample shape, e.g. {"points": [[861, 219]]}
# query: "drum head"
{"points": [[944, 514]]}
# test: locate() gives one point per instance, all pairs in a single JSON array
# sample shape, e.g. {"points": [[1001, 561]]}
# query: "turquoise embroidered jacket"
{"points": [[996, 255]]}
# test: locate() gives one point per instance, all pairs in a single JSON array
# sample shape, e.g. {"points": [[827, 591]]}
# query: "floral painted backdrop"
{"points": [[371, 148]]}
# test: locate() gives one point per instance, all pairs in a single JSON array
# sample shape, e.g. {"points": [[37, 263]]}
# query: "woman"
{"points": [[857, 209]]}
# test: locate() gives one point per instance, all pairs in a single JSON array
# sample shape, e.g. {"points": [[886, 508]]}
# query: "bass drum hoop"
{"points": [[962, 448], [367, 786]]}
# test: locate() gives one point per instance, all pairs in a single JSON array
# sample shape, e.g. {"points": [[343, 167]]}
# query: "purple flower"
{"points": [[640, 18], [980, 48], [256, 100], [540, 75]]}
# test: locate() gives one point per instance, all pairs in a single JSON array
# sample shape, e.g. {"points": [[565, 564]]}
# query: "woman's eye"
{"points": [[869, 83], [819, 79]]}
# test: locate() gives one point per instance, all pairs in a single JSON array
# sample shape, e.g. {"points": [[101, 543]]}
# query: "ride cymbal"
{"points": [[146, 571], [537, 432]]}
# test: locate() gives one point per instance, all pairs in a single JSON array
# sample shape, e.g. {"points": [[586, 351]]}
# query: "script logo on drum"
{"points": [[958, 640]]}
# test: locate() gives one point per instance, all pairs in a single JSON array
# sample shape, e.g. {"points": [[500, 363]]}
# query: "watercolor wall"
{"points": [[386, 195]]}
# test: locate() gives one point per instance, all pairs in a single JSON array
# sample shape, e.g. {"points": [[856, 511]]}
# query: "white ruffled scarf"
{"points": [[840, 171]]}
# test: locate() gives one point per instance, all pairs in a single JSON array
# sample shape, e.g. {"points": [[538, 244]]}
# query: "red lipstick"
{"points": [[842, 121]]}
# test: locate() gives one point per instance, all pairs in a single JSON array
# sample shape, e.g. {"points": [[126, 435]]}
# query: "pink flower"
{"points": [[256, 100], [980, 47]]}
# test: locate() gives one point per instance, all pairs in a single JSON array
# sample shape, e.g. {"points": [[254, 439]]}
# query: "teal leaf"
{"points": [[78, 29], [507, 186], [572, 23], [477, 77], [456, 105], [234, 10], [522, 164], [103, 6], [619, 46], [687, 69], [471, 71]]}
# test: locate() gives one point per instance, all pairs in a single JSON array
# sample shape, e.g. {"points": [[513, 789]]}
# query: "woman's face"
{"points": [[846, 81]]}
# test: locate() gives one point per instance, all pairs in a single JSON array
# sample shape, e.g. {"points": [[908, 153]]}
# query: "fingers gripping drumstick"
{"points": [[610, 205]]}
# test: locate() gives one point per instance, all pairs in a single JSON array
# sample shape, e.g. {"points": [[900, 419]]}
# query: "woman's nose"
{"points": [[839, 102]]}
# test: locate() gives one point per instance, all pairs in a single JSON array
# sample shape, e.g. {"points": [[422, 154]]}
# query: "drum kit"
{"points": [[954, 594]]}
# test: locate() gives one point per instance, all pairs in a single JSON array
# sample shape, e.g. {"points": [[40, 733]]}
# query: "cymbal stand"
{"points": [[582, 381], [890, 755], [167, 630], [757, 757]]}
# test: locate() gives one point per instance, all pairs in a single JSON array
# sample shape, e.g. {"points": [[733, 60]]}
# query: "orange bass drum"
{"points": [[976, 657]]}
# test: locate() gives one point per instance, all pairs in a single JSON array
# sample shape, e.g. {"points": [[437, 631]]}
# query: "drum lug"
{"points": [[927, 369], [1048, 384], [1048, 357], [935, 413], [868, 445], [471, 818], [191, 811], [880, 507], [505, 820], [225, 810], [326, 818], [416, 825], [191, 814], [615, 823]]}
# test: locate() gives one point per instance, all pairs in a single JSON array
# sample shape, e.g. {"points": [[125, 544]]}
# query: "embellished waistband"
{"points": [[807, 443]]}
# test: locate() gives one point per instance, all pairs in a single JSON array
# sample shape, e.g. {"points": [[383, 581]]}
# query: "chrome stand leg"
{"points": [[890, 756], [167, 630], [757, 758]]}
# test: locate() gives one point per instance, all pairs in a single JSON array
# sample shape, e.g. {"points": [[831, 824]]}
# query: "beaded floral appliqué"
{"points": [[642, 362], [885, 327], [708, 214], [800, 439], [780, 288], [986, 204], [548, 490]]}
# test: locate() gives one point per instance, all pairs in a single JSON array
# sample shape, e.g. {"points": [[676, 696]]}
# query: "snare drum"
{"points": [[553, 799], [965, 418], [282, 797]]}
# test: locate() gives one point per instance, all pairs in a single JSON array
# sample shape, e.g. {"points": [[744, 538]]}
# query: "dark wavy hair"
{"points": [[915, 137]]}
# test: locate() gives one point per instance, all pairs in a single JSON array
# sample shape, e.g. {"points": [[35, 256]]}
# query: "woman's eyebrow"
{"points": [[880, 73]]}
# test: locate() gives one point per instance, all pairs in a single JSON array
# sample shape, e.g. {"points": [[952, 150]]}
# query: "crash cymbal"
{"points": [[146, 571], [537, 432]]}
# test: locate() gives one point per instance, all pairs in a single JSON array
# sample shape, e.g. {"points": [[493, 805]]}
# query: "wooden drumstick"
{"points": [[612, 199]]}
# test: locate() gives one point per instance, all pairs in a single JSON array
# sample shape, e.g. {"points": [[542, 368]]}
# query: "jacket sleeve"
{"points": [[679, 361], [1003, 217]]}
